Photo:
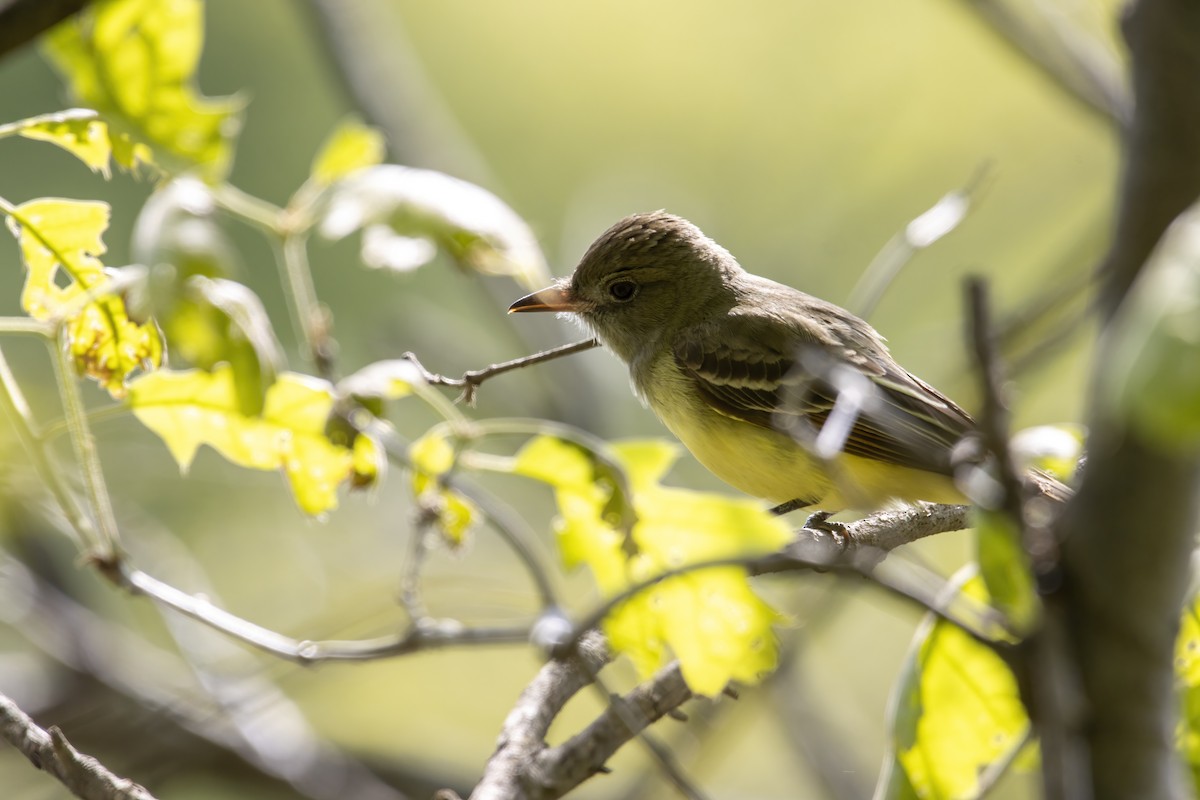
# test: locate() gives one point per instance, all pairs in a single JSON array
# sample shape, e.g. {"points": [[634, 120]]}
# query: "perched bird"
{"points": [[757, 378]]}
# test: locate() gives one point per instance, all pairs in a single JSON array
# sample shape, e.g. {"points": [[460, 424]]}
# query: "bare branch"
{"points": [[1069, 57], [470, 381], [523, 734], [1124, 578], [50, 752], [22, 21]]}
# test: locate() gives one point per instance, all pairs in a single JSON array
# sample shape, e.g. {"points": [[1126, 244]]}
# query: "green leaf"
{"points": [[134, 61], [352, 146], [193, 408], [1153, 375], [79, 131], [955, 713], [405, 214], [66, 236], [454, 515], [1006, 571], [710, 619], [1187, 678]]}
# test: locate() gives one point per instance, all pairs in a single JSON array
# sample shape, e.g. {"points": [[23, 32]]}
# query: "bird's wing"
{"points": [[779, 370]]}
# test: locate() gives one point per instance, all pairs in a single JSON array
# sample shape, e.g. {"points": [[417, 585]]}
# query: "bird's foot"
{"points": [[819, 521]]}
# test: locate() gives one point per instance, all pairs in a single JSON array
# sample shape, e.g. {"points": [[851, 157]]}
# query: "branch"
{"points": [[50, 752], [1125, 576], [470, 381], [525, 767], [524, 731], [1071, 59], [22, 21], [557, 770]]}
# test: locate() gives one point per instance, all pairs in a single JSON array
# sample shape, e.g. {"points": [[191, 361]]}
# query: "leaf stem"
{"points": [[13, 401], [250, 209], [86, 453]]}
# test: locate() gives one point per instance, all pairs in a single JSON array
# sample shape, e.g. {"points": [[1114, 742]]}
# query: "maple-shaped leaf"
{"points": [[134, 61], [79, 131], [61, 243], [710, 619], [192, 408]]}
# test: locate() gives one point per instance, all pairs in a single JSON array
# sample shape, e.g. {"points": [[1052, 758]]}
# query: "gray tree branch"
{"points": [[1130, 532], [50, 752], [22, 21]]}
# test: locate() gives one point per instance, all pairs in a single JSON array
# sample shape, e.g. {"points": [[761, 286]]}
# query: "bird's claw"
{"points": [[819, 521]]}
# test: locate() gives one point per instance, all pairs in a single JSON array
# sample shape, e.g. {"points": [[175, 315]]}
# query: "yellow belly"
{"points": [[769, 464]]}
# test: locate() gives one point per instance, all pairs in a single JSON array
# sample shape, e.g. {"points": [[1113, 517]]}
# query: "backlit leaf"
{"points": [[432, 455], [193, 408], [79, 131], [61, 242], [709, 619], [404, 212], [1187, 678], [1153, 379], [351, 147], [955, 712], [134, 62]]}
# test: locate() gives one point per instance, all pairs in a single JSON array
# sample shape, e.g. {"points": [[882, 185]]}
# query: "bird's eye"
{"points": [[623, 290]]}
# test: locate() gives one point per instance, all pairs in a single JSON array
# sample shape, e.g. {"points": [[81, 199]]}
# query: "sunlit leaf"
{"points": [[61, 242], [955, 713], [403, 212], [1005, 569], [709, 619], [454, 515], [134, 61], [1153, 377], [79, 131], [351, 147], [1187, 678], [193, 408]]}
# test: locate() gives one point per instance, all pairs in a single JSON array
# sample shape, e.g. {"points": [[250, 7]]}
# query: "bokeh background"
{"points": [[800, 135]]}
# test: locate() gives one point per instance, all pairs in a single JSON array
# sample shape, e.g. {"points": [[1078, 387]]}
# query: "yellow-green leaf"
{"points": [[66, 235], [79, 131], [193, 408], [955, 712], [351, 147], [1152, 378], [1187, 678], [709, 619], [134, 61], [1006, 570], [432, 456]]}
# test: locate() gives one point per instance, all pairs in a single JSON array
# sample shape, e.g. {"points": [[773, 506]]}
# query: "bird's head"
{"points": [[644, 278]]}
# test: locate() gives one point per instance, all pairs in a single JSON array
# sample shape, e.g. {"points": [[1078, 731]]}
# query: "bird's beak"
{"points": [[552, 298]]}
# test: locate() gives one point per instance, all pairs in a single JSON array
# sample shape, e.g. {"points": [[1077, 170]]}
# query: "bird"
{"points": [[757, 378]]}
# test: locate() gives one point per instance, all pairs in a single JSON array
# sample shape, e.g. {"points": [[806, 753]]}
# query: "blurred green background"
{"points": [[800, 135]]}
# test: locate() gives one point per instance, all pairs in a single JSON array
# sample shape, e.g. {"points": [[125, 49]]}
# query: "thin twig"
{"points": [[50, 751], [470, 381], [1074, 63]]}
